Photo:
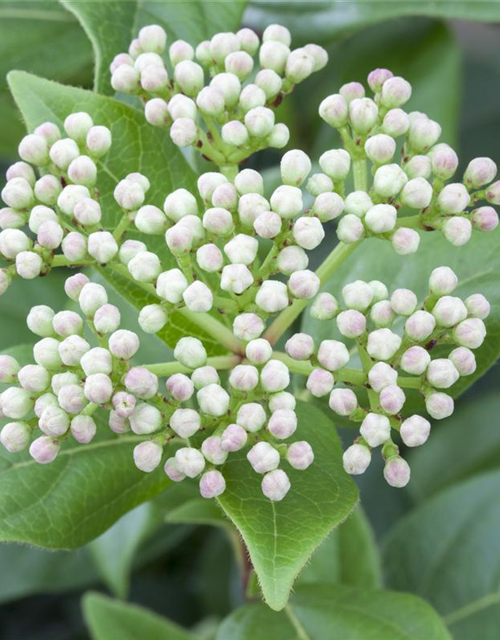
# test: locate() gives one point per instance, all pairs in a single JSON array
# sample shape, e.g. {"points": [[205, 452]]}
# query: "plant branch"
{"points": [[169, 368]]}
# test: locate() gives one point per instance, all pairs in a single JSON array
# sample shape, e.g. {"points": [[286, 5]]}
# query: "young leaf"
{"points": [[447, 550], [325, 611], [110, 619], [281, 536]]}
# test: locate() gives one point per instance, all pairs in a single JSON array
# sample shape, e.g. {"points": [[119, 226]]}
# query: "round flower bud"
{"points": [[141, 382], [180, 386], [46, 353], [98, 141], [275, 485], [258, 351], [152, 38], [33, 148], [382, 375], [417, 193], [180, 106], [82, 171], [356, 459], [380, 291], [152, 318], [150, 220], [290, 259], [320, 383], [300, 455], [233, 438], [98, 388], [395, 92], [249, 181], [420, 325], [54, 421], [259, 121], [343, 401], [324, 307], [44, 449], [442, 281], [102, 246], [234, 133], [15, 436], [74, 246], [189, 76], [397, 472], [11, 219], [377, 77], [87, 212], [16, 403], [242, 249], [404, 302], [249, 40], [124, 404], [248, 326], [299, 65], [351, 323], [213, 400], [180, 50], [334, 110], [251, 417], [415, 360], [250, 206], [222, 45], [213, 451], [209, 258], [449, 311], [300, 346], [5, 280], [308, 232], [145, 267], [415, 431], [272, 296], [190, 461], [357, 295], [92, 296], [295, 167], [263, 457], [333, 355], [380, 148], [50, 234], [363, 113], [405, 241], [282, 400], [244, 377], [172, 470], [389, 180], [34, 378], [304, 284], [493, 193], [97, 360], [269, 82], [267, 224], [185, 422], [18, 194], [59, 381], [147, 456], [240, 63], [478, 306], [230, 87], [275, 376], [453, 198], [21, 170], [225, 196], [457, 230], [9, 368], [145, 419], [28, 265], [419, 167], [107, 319], [154, 78], [439, 405], [129, 249], [273, 55], [383, 344], [287, 201], [179, 239], [184, 132], [352, 91], [479, 172], [328, 206], [277, 33], [157, 113], [77, 125], [336, 163], [484, 219], [190, 352], [350, 229], [463, 360], [171, 285], [319, 183], [13, 242], [212, 484], [67, 323], [392, 399], [319, 54], [375, 429], [444, 161], [423, 133], [123, 344], [236, 278], [71, 398], [470, 333]]}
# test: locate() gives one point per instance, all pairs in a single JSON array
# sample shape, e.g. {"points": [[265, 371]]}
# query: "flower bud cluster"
{"points": [[214, 96]]}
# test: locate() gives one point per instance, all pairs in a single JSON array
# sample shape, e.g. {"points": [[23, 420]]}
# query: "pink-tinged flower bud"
{"points": [[11, 219], [179, 239], [300, 455], [15, 436], [420, 325], [102, 246], [21, 170], [144, 267], [203, 376], [152, 318], [382, 314], [189, 76], [470, 333], [44, 449], [248, 326], [152, 39], [457, 230], [97, 360], [449, 311], [213, 400], [267, 224], [157, 113], [333, 355], [233, 438], [277, 33], [180, 387], [380, 291], [54, 421], [172, 470], [484, 219], [60, 380], [356, 459], [478, 306], [404, 302], [397, 472], [259, 121], [351, 323], [375, 429], [464, 360], [77, 125], [442, 281], [141, 382], [9, 368], [16, 403], [381, 218], [129, 249], [180, 203], [46, 353], [320, 382], [63, 152], [129, 194], [308, 232], [34, 378], [405, 241], [239, 63], [244, 377], [290, 259], [150, 220], [269, 82], [282, 423], [74, 246], [479, 172], [334, 110], [181, 106], [454, 198], [171, 285], [415, 431], [493, 193], [417, 193], [415, 360], [444, 161], [259, 351], [18, 194], [222, 45], [124, 404], [273, 55], [5, 281], [124, 344], [92, 296], [287, 201], [380, 148], [328, 206], [395, 92], [98, 141], [275, 485], [263, 457], [395, 123], [250, 206], [299, 65], [249, 40], [236, 278], [377, 77], [67, 323], [154, 78], [336, 163], [383, 344], [282, 400], [72, 349], [300, 346], [295, 167], [28, 265], [34, 149], [209, 258], [275, 376], [83, 171], [213, 451], [242, 249], [419, 167], [147, 456], [324, 307], [357, 295], [392, 399], [184, 132], [13, 242], [145, 419], [72, 399], [190, 352], [98, 388], [439, 405], [185, 422], [304, 284], [210, 101], [190, 461], [352, 91], [46, 400], [230, 87], [382, 375], [50, 234], [212, 484], [251, 417], [225, 196], [423, 133], [389, 180], [107, 319], [350, 229], [272, 296]]}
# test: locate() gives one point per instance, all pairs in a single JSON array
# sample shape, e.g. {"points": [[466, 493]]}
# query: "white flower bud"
{"points": [[16, 403], [404, 302], [396, 123], [258, 351], [44, 449], [415, 360], [299, 65], [28, 265], [248, 326], [213, 451], [263, 457], [250, 206], [21, 170], [453, 198], [33, 148], [92, 296], [439, 405], [279, 136], [308, 232], [442, 281], [157, 112], [415, 431], [275, 376], [71, 349], [209, 258], [444, 161], [377, 77], [236, 278], [363, 114], [67, 323], [9, 368], [147, 456], [304, 284], [190, 352], [59, 381], [34, 378], [479, 172], [189, 76], [54, 421], [295, 167], [145, 419], [300, 455], [269, 82], [478, 306], [356, 459], [213, 399], [470, 333], [493, 193], [457, 230], [87, 212], [251, 417], [273, 55], [103, 247], [207, 184], [382, 375], [18, 193], [242, 249], [46, 353], [357, 295], [383, 344], [249, 181], [333, 355], [319, 183], [267, 224], [272, 296], [152, 39], [123, 344], [375, 429], [249, 40], [152, 318], [82, 171], [222, 45], [230, 87], [389, 180], [77, 125], [328, 206], [170, 285], [397, 472], [300, 346], [275, 485], [336, 163], [185, 422], [343, 401], [449, 311], [244, 377], [129, 194], [145, 266], [320, 383], [259, 121], [74, 246], [172, 470], [352, 91], [212, 484], [417, 193], [395, 92], [282, 400], [98, 141], [233, 438], [11, 219], [141, 383], [334, 110], [484, 219], [150, 220], [405, 241], [184, 132], [50, 234], [72, 399], [392, 399], [282, 423], [97, 360], [420, 325], [380, 291], [13, 242], [291, 259], [240, 63], [423, 133], [182, 107], [287, 201], [5, 280], [154, 78], [15, 436], [380, 148], [418, 167], [319, 55], [350, 229], [107, 319], [180, 50], [252, 96], [351, 323], [180, 386], [124, 404], [190, 461], [98, 388], [234, 133], [324, 307]]}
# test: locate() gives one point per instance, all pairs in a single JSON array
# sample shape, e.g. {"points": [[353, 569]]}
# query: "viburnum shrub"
{"points": [[222, 273]]}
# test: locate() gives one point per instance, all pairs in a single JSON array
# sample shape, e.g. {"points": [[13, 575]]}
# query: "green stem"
{"points": [[367, 364], [163, 369], [230, 171], [123, 225], [410, 222], [324, 272], [89, 409], [62, 261], [359, 174]]}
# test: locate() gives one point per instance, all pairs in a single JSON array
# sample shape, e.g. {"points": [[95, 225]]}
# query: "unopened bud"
{"points": [[350, 229], [236, 278], [351, 323], [457, 230], [356, 459], [184, 132], [449, 311], [190, 461], [453, 198], [308, 232], [395, 123], [363, 113], [405, 241], [9, 368], [248, 326], [299, 65], [123, 344], [439, 405], [333, 355], [479, 172], [263, 457], [343, 401], [383, 344], [242, 249], [415, 360], [172, 470], [15, 436], [484, 219], [470, 333], [44, 449], [259, 121], [375, 429], [382, 375], [444, 161], [397, 472], [34, 149], [324, 307], [320, 383], [300, 455], [190, 352], [244, 377], [272, 296], [145, 419], [404, 302], [395, 92], [328, 206], [336, 163], [213, 400], [304, 284], [419, 167], [464, 361], [389, 180], [251, 417], [334, 110], [392, 399]]}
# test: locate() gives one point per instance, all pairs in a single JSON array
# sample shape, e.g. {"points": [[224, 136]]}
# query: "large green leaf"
{"points": [[136, 147], [42, 38], [112, 620], [112, 25], [325, 612], [448, 551], [281, 536]]}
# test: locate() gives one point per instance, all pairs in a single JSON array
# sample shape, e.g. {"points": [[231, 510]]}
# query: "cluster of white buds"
{"points": [[60, 207], [371, 130], [387, 357], [233, 115]]}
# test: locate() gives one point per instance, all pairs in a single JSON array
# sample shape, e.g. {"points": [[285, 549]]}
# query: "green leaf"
{"points": [[112, 25], [349, 556], [281, 536], [325, 611], [42, 38], [136, 147], [472, 449], [184, 505], [112, 620], [447, 550]]}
